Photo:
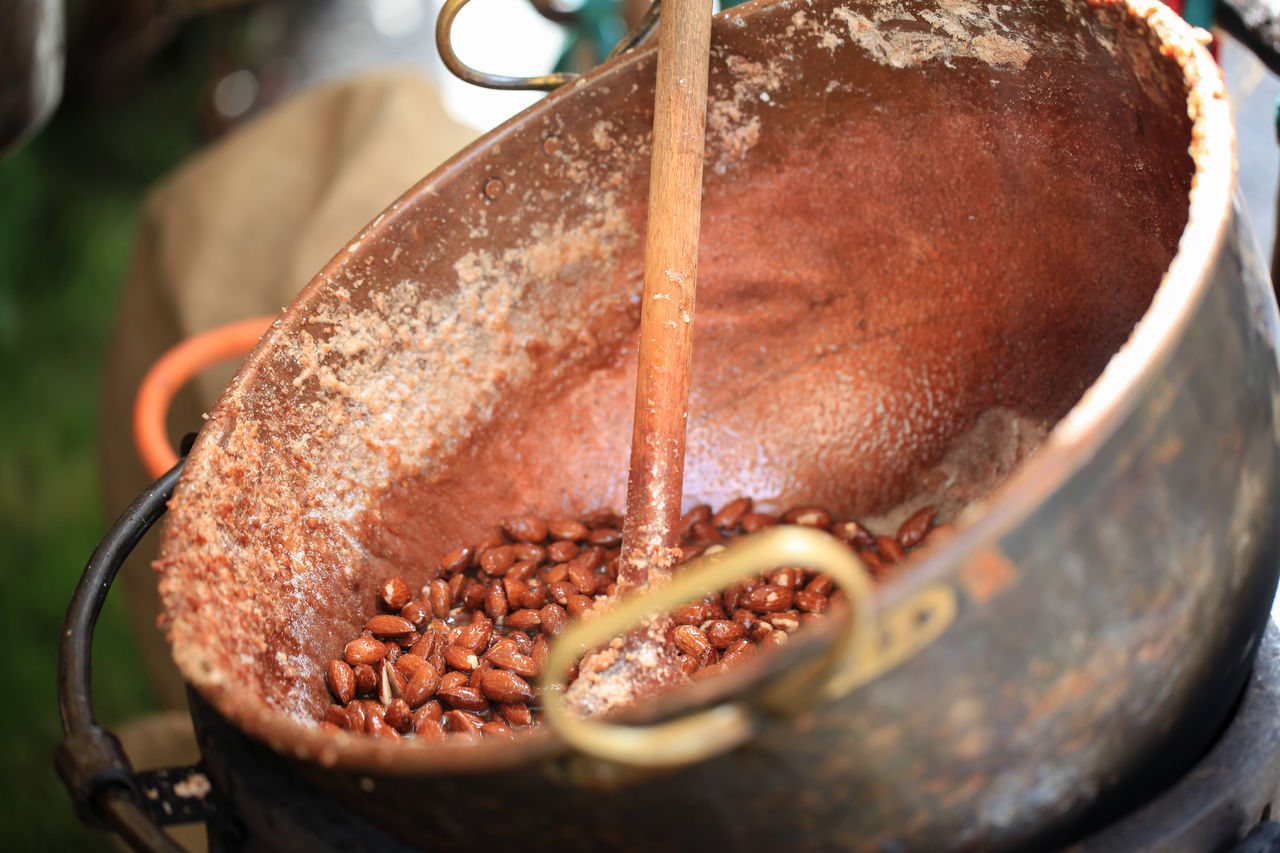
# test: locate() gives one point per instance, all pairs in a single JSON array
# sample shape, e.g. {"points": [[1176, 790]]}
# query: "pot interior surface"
{"points": [[927, 228]]}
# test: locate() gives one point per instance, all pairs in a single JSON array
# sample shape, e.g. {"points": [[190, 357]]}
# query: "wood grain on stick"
{"points": [[656, 476]]}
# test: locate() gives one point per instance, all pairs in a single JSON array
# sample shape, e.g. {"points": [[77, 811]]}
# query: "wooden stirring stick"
{"points": [[656, 479]]}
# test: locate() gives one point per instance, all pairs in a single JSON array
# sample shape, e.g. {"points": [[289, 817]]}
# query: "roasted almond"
{"points": [[461, 658], [693, 642], [722, 632], [364, 650], [516, 714], [525, 528], [524, 619], [366, 678], [408, 665], [502, 686], [890, 549], [440, 598], [461, 722], [808, 516], [385, 625], [422, 686], [754, 522], [769, 598], [495, 601], [337, 715], [554, 619], [496, 561], [342, 681], [911, 532], [567, 529], [464, 698], [455, 561], [700, 514], [505, 655], [853, 534], [731, 513], [428, 729], [476, 635], [454, 679], [417, 613], [398, 716], [394, 594], [563, 552], [577, 605], [693, 613], [811, 602]]}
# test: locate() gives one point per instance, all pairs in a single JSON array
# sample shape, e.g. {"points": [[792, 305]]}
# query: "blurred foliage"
{"points": [[69, 205]]}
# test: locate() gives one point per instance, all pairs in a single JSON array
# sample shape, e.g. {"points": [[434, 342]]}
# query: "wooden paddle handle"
{"points": [[656, 476]]}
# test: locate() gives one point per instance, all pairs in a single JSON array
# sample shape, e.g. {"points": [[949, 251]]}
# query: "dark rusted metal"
{"points": [[1216, 803], [1256, 24], [90, 760], [957, 227], [176, 795], [1230, 790]]}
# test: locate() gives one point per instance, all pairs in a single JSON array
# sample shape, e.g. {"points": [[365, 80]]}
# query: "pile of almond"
{"points": [[462, 656]]}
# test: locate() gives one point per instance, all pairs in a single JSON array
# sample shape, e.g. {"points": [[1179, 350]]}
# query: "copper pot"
{"points": [[937, 236]]}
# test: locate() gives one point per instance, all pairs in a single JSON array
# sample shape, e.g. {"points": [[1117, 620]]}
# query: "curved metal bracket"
{"points": [[706, 733], [106, 791], [543, 83], [444, 28]]}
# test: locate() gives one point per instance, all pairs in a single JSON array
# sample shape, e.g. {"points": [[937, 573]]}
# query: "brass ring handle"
{"points": [[709, 732], [444, 27], [544, 83]]}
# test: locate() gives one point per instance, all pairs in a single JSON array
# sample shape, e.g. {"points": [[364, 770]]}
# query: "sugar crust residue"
{"points": [[956, 29], [733, 120], [411, 358]]}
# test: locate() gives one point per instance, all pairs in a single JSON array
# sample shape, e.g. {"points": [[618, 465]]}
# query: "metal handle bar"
{"points": [[90, 760], [541, 83]]}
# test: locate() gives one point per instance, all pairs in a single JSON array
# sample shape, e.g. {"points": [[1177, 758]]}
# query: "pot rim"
{"points": [[1067, 447]]}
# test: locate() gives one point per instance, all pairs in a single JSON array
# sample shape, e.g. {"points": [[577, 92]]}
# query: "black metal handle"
{"points": [[90, 760]]}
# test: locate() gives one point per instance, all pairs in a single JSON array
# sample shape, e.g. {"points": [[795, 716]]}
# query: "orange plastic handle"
{"points": [[173, 370]]}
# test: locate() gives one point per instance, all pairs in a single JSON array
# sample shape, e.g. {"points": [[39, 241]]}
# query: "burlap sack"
{"points": [[236, 233]]}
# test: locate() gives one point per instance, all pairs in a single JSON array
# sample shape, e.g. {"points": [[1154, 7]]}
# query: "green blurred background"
{"points": [[69, 205]]}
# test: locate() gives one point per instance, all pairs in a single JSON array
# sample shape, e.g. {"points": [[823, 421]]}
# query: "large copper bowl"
{"points": [[937, 235]]}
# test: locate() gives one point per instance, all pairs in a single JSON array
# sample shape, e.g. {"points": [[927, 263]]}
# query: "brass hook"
{"points": [[544, 83], [706, 733], [444, 27]]}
